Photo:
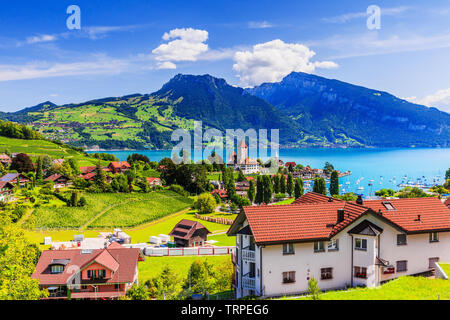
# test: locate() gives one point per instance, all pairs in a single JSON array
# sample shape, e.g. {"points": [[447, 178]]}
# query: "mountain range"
{"points": [[309, 110]]}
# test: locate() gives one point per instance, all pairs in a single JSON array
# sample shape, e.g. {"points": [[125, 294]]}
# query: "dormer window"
{"points": [[388, 205], [57, 268]]}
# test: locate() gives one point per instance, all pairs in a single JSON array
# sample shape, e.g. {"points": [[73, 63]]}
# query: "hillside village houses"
{"points": [[341, 244], [106, 273]]}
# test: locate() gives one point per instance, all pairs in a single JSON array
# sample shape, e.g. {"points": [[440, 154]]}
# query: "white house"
{"points": [[341, 244]]}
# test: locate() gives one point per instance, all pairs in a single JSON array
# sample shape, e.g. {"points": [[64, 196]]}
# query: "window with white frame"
{"points": [[319, 246], [360, 244], [288, 248], [333, 245], [434, 237], [57, 268]]}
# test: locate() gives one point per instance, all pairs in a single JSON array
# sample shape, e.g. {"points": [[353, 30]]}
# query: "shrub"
{"points": [[205, 203], [179, 189]]}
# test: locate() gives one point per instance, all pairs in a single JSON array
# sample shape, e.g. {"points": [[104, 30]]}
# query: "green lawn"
{"points": [[403, 288], [446, 268], [142, 209], [141, 233], [118, 209], [152, 266], [287, 201]]}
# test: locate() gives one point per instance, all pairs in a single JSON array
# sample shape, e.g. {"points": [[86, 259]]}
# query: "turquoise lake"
{"points": [[372, 169]]}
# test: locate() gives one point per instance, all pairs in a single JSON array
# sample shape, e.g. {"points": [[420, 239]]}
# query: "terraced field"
{"points": [[112, 210]]}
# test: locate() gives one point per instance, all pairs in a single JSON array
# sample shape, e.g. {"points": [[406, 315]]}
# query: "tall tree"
{"points": [[241, 176], [276, 183], [251, 191], [230, 186], [320, 186], [39, 171], [282, 184], [298, 189], [267, 189], [334, 183], [259, 198], [100, 179], [290, 185]]}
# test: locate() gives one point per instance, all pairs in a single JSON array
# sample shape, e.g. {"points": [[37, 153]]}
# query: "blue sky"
{"points": [[132, 46]]}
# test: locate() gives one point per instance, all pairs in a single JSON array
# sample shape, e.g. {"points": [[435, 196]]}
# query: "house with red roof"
{"points": [[154, 181], [119, 166], [59, 181], [339, 243], [188, 233], [88, 274]]}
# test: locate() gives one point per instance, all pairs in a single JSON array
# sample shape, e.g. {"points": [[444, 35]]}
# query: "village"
{"points": [[257, 225]]}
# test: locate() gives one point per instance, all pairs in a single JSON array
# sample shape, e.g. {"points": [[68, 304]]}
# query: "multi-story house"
{"points": [[88, 274], [341, 244]]}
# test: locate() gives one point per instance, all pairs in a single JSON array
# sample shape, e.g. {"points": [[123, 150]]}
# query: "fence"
{"points": [[191, 251], [214, 219]]}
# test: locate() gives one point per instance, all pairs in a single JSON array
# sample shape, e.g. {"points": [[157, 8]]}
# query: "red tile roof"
{"points": [[314, 217], [312, 197], [151, 180], [299, 222], [119, 164], [434, 215], [126, 258], [89, 169]]}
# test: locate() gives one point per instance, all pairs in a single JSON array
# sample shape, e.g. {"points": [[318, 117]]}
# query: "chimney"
{"points": [[360, 199], [340, 215], [330, 199]]}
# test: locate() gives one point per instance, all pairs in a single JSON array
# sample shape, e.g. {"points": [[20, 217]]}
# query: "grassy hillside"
{"points": [[36, 148], [108, 210], [403, 288]]}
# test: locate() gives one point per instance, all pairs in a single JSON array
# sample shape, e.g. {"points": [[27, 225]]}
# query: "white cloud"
{"points": [[186, 44], [273, 60], [166, 65], [371, 43], [101, 65], [41, 38], [260, 25], [439, 99]]}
